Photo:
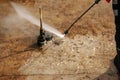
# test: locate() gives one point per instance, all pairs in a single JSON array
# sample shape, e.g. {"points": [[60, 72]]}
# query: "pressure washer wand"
{"points": [[96, 2]]}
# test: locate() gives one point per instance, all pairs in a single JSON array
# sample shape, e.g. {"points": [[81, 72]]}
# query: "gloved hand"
{"points": [[97, 1]]}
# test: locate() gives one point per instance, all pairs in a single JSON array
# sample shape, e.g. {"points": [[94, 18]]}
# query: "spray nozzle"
{"points": [[66, 32]]}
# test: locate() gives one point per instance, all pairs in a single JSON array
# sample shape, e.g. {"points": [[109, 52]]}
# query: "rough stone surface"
{"points": [[86, 53]]}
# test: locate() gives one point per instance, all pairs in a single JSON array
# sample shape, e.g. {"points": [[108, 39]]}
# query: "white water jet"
{"points": [[25, 14]]}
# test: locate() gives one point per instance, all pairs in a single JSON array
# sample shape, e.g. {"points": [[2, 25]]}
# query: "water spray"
{"points": [[27, 15], [96, 2]]}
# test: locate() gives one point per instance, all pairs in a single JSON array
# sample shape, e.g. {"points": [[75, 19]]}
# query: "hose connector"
{"points": [[97, 1]]}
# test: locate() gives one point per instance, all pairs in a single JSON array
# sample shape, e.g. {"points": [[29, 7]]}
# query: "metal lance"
{"points": [[96, 2]]}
